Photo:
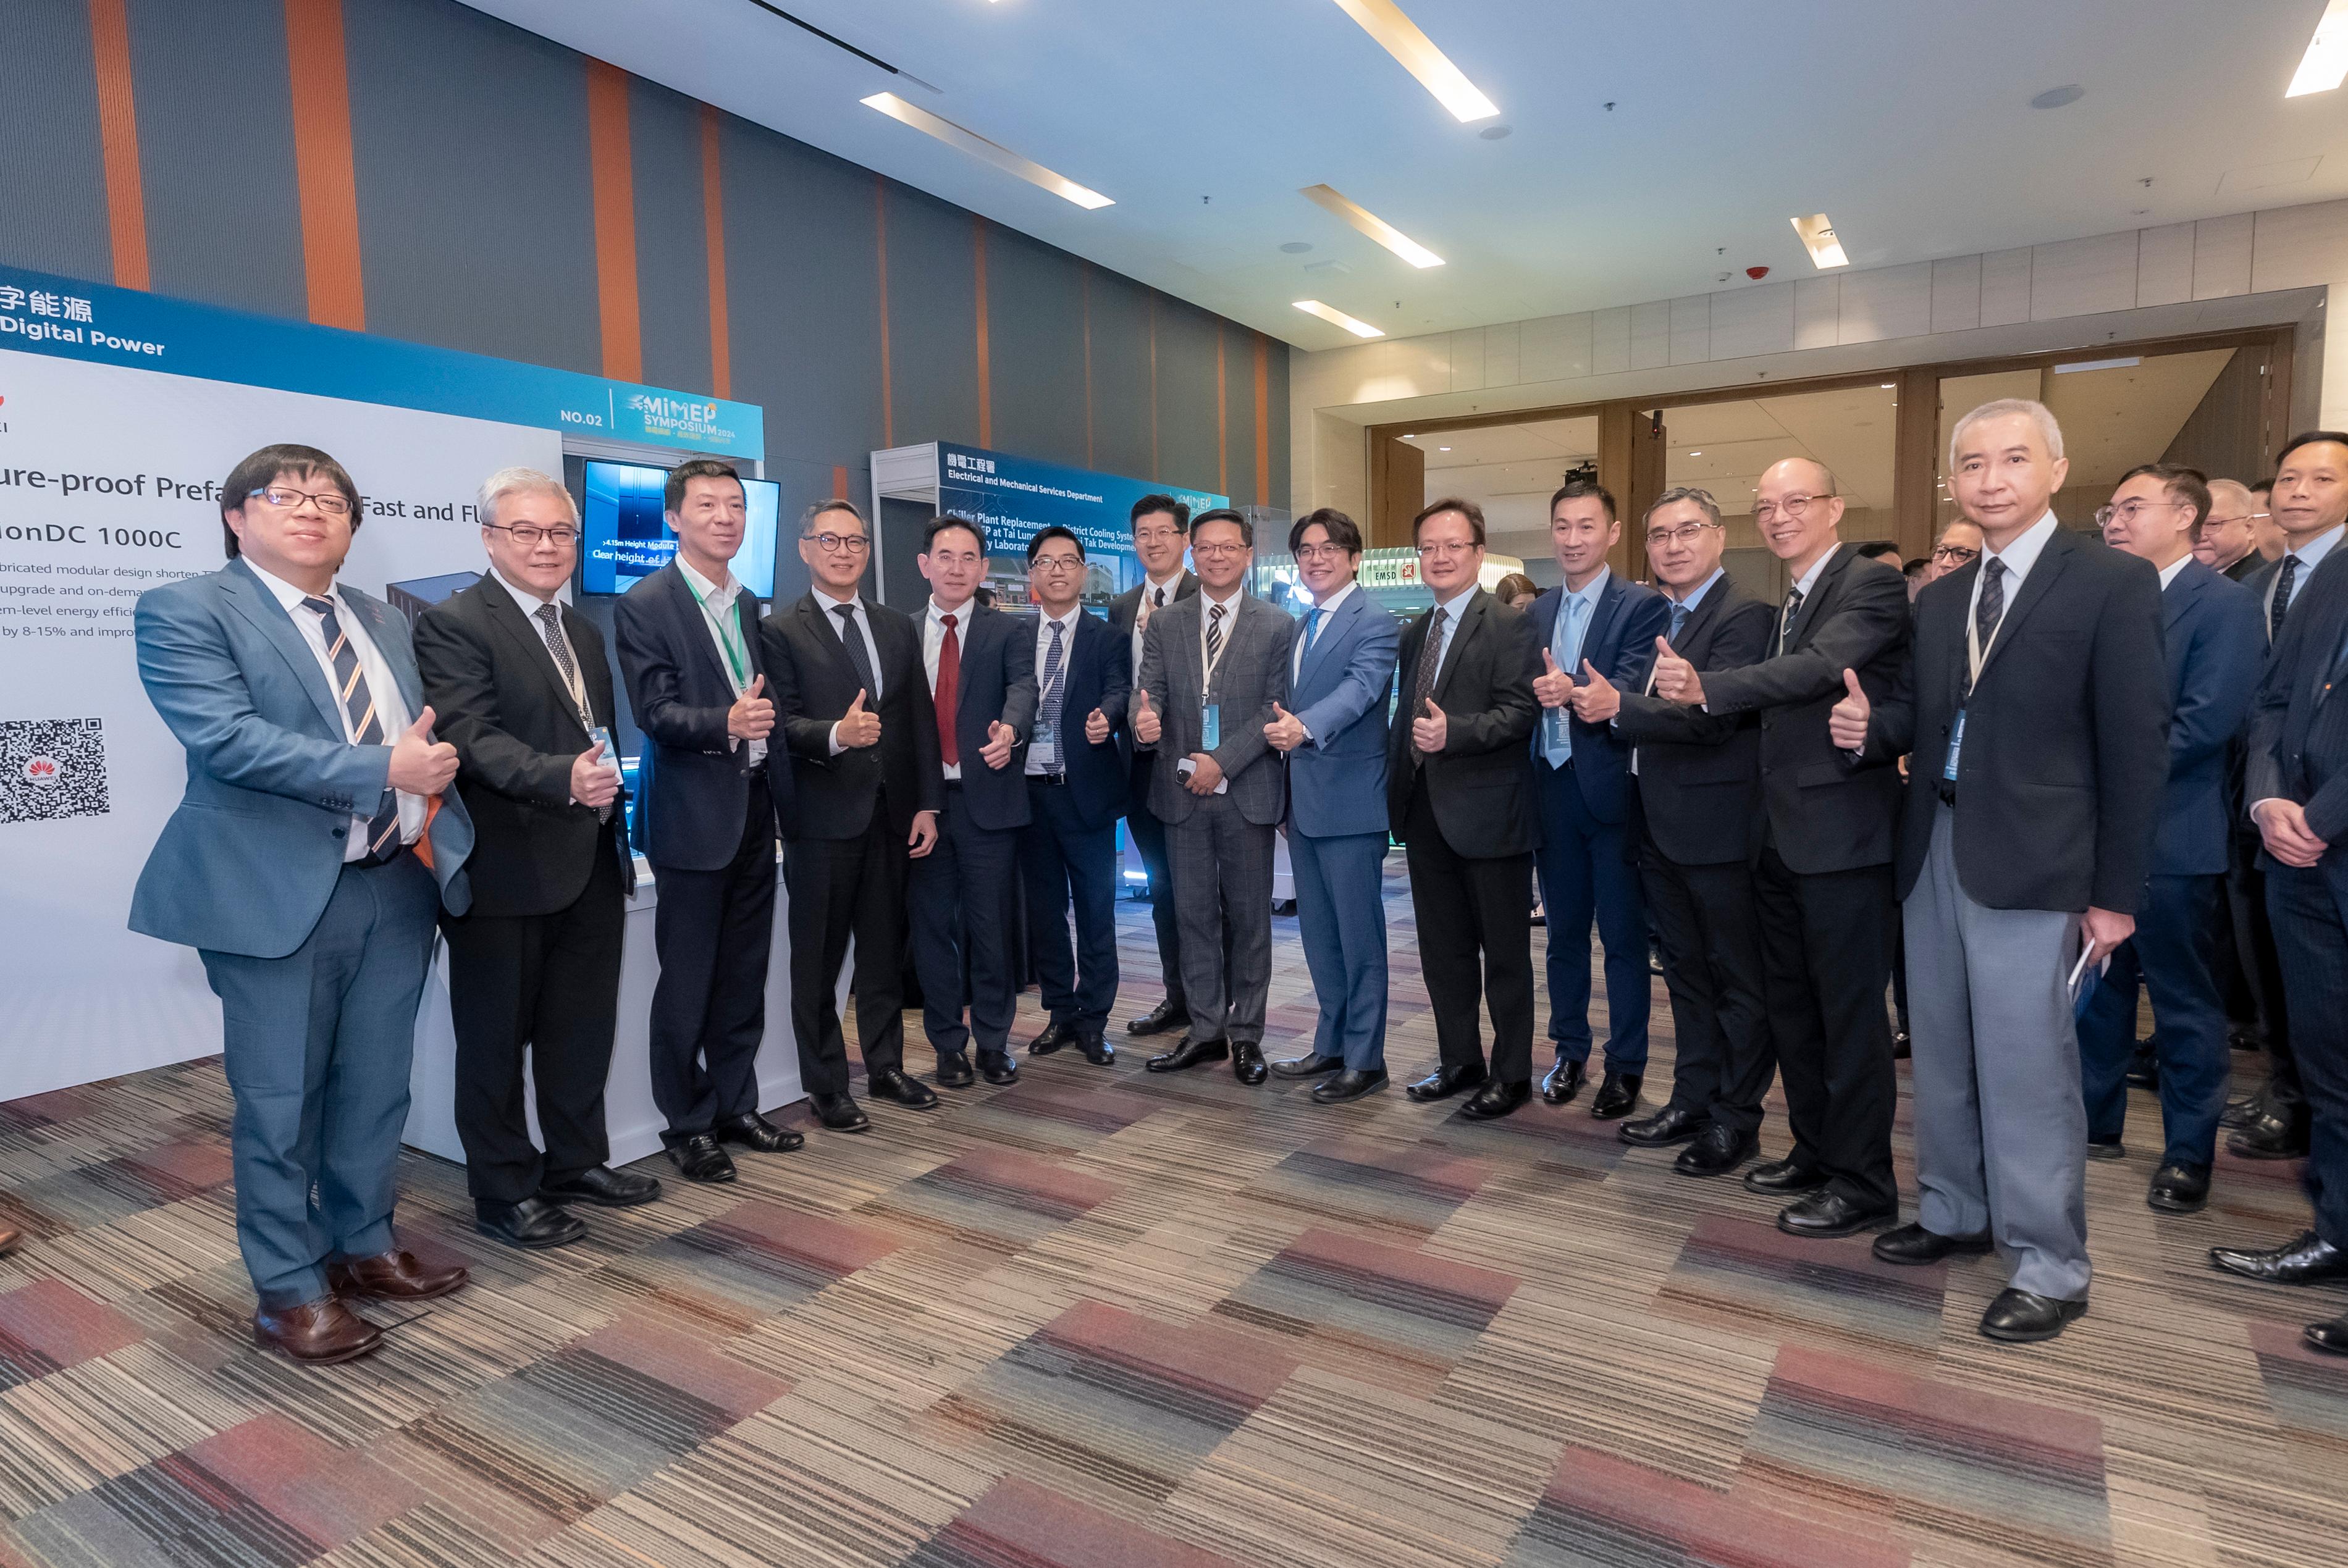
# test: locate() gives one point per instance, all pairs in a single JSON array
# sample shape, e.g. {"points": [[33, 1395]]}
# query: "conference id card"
{"points": [[1557, 729], [1210, 727], [1956, 743], [602, 740]]}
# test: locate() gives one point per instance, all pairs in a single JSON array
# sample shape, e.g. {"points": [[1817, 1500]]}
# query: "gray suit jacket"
{"points": [[1252, 675]]}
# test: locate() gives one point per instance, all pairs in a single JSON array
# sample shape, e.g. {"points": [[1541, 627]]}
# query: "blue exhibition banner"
{"points": [[1014, 498], [73, 320]]}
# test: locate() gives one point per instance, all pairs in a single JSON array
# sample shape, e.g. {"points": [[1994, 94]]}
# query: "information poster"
{"points": [[1015, 497]]}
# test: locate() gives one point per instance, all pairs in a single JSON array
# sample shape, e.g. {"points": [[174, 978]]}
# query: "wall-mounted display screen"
{"points": [[626, 536]]}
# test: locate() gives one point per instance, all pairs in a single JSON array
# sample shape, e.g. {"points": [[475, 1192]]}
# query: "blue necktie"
{"points": [[1311, 629], [1558, 745], [1055, 693], [1680, 612]]}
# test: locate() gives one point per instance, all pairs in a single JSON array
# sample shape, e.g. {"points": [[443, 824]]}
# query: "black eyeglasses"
{"points": [[333, 503], [841, 544], [524, 534], [1955, 555]]}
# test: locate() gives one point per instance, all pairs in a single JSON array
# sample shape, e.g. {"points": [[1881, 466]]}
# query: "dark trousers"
{"points": [[715, 931], [2254, 943], [1586, 868], [1475, 943], [1826, 950], [841, 887], [548, 985], [956, 903], [1070, 866], [2310, 929], [2169, 957], [1149, 838], [1711, 932]]}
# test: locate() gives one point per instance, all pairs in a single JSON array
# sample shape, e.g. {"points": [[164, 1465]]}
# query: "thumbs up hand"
{"points": [[1096, 727], [1675, 679], [593, 781], [1286, 731], [752, 716], [997, 752], [1146, 722], [1553, 686], [1431, 729], [1595, 701], [420, 765], [1847, 723], [858, 727]]}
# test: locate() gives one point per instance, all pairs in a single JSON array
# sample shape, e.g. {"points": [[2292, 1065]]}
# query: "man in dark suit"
{"points": [[2036, 707], [1336, 741], [1599, 626], [863, 739], [1076, 781], [2298, 788], [1459, 792], [1822, 873], [2228, 540], [2215, 647], [316, 844], [524, 691], [714, 791], [981, 672], [1214, 667], [1699, 798], [1161, 532]]}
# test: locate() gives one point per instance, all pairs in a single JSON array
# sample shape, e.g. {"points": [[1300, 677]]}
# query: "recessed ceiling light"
{"points": [[1889, 385], [2055, 97], [2325, 63], [1695, 454], [1415, 53], [1494, 133], [985, 152], [1817, 235], [1336, 317], [1296, 248], [1443, 449], [1370, 223]]}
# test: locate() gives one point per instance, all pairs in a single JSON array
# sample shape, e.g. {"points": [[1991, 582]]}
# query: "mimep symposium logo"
{"points": [[678, 417]]}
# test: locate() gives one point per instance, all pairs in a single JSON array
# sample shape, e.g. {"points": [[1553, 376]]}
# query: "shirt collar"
{"points": [[960, 612], [1066, 622], [1172, 585], [1589, 591], [2022, 553], [2169, 573], [1456, 605], [1810, 580], [1695, 595], [1337, 598], [1230, 602], [287, 594], [528, 597], [2312, 553], [830, 603], [715, 593]]}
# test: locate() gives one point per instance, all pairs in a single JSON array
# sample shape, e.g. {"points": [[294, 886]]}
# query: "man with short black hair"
{"points": [[1161, 532]]}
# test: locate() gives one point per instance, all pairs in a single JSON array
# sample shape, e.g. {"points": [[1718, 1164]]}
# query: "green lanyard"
{"points": [[729, 637]]}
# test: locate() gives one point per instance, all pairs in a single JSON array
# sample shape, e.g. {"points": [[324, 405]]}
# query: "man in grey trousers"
{"points": [[1213, 667]]}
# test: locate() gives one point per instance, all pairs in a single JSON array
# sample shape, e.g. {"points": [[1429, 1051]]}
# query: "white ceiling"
{"points": [[1908, 125]]}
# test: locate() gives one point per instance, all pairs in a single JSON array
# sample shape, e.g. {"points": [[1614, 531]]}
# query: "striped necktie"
{"points": [[1214, 635], [1056, 691], [367, 724]]}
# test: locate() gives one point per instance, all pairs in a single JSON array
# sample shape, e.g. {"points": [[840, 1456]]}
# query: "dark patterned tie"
{"points": [[560, 646], [2285, 575], [367, 725], [1430, 659], [1990, 607], [1786, 625], [853, 640], [1055, 693]]}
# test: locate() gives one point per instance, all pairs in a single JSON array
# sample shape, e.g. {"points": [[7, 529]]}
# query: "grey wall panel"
{"points": [[801, 296], [1276, 382], [476, 210], [52, 165], [1186, 394], [1035, 332], [932, 319], [671, 249], [216, 152], [1120, 334], [1238, 413]]}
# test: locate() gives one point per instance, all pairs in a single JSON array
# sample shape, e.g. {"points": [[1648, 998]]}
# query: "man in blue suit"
{"points": [[306, 864], [1596, 624], [2214, 648], [1077, 783], [1340, 676]]}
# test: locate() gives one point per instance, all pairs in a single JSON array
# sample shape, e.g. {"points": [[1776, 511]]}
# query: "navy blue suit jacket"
{"points": [[1098, 675], [998, 686], [2217, 643], [1620, 641], [1337, 779], [2299, 726]]}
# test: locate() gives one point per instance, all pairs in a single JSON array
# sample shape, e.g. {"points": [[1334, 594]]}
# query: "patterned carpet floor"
{"points": [[1102, 1320]]}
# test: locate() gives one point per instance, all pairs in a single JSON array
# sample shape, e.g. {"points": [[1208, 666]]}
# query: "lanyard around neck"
{"points": [[729, 635]]}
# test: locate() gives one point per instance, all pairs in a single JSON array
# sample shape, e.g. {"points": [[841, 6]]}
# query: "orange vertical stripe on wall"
{"points": [[881, 244], [117, 130], [325, 176], [985, 371], [612, 166], [1262, 420], [1222, 427], [839, 478], [712, 244]]}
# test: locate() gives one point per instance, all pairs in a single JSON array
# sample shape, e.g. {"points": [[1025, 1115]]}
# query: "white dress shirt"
{"points": [[934, 642], [1231, 623], [390, 707], [830, 608], [2311, 556], [1150, 590], [1067, 625], [2019, 557], [2169, 573], [1453, 608], [558, 644], [716, 602]]}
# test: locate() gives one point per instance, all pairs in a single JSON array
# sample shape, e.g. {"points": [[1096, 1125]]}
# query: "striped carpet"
{"points": [[1102, 1320]]}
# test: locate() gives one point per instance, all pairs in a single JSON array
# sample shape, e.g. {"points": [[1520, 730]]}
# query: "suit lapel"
{"points": [[829, 636], [1601, 616], [1472, 619], [1700, 618], [2051, 560], [1338, 624], [258, 605], [1834, 566], [510, 618], [376, 619]]}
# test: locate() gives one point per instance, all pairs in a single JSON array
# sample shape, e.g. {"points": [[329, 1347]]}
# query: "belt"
{"points": [[1053, 780], [381, 858]]}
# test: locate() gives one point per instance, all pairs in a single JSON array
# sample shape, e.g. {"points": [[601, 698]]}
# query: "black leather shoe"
{"points": [[1349, 1085], [1055, 1035], [603, 1187], [1247, 1063], [1163, 1018], [699, 1159], [2238, 1112], [1497, 1100], [1308, 1066], [2270, 1136], [2144, 1073], [1189, 1053], [752, 1130], [1717, 1151], [2331, 1338], [1618, 1096], [532, 1223], [1098, 1051], [1672, 1124], [997, 1067], [1782, 1176], [2244, 1038], [1442, 1083], [2018, 1318], [2107, 1149], [953, 1071], [1902, 1048], [2310, 1260], [893, 1084], [841, 1112], [1563, 1082], [1827, 1213], [1912, 1243], [2178, 1188]]}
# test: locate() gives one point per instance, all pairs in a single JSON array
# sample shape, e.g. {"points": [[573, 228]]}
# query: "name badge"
{"points": [[1210, 727], [601, 739], [1956, 743], [1045, 735], [1557, 729]]}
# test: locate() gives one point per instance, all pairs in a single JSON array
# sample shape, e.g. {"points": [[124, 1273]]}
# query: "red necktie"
{"points": [[948, 693]]}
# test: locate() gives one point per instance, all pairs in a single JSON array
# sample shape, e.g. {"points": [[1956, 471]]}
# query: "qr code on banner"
{"points": [[52, 768]]}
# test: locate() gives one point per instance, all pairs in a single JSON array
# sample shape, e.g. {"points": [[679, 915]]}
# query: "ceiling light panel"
{"points": [[2325, 64], [1817, 235], [1336, 317], [985, 152], [1398, 35], [1375, 227]]}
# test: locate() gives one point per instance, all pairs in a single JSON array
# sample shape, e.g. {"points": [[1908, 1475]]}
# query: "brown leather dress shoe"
{"points": [[9, 1236], [317, 1333], [396, 1277]]}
